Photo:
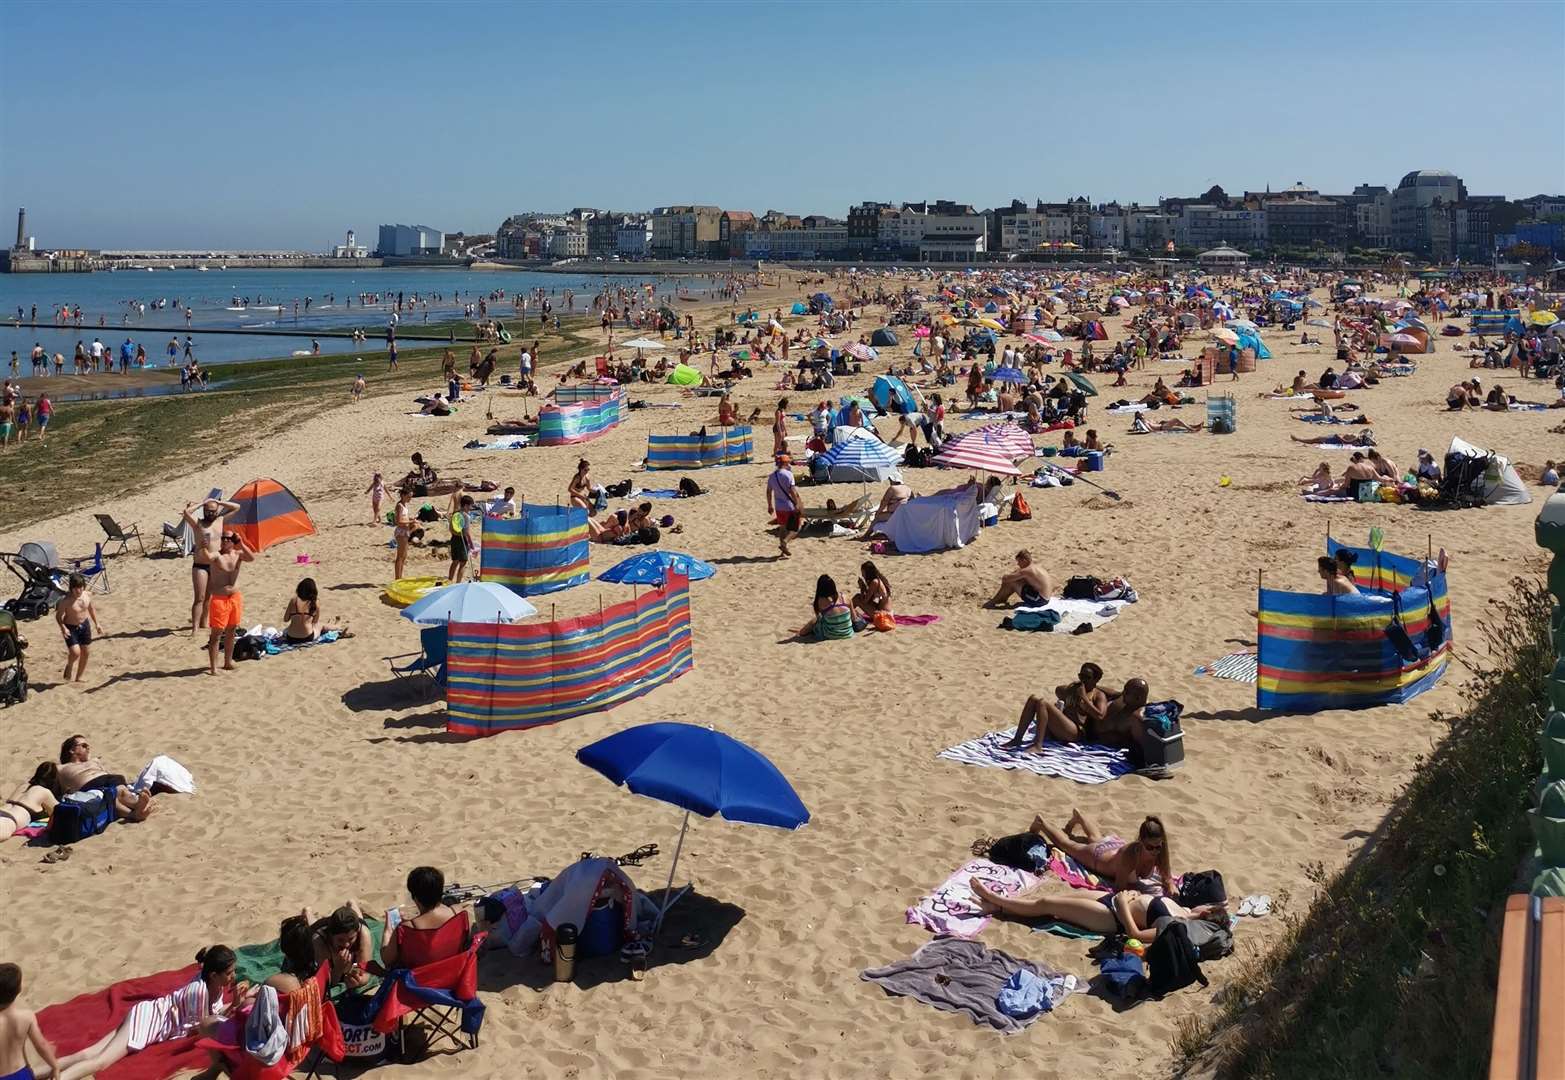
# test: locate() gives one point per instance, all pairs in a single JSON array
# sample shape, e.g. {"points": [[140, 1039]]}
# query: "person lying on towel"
{"points": [[1120, 724], [1131, 913], [1143, 865]]}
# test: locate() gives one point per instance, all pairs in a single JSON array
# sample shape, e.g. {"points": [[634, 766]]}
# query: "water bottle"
{"points": [[565, 953]]}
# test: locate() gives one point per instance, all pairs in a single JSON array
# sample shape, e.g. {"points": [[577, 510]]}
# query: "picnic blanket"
{"points": [[1238, 666], [966, 977], [1085, 763], [1074, 613], [952, 909]]}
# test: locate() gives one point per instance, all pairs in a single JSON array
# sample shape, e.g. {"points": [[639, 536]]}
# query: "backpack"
{"points": [[1172, 961], [428, 513], [915, 457], [1212, 941], [1020, 511], [688, 488], [1081, 588], [1013, 851], [1202, 887], [1124, 975]]}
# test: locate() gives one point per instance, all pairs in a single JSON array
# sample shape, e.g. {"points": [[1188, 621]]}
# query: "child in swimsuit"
{"points": [[18, 1028]]}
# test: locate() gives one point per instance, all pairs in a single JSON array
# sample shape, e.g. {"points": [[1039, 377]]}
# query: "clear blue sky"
{"points": [[138, 124]]}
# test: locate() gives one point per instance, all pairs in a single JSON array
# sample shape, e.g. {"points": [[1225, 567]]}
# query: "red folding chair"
{"points": [[439, 994]]}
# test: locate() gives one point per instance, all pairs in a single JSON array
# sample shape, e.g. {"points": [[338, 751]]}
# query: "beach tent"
{"points": [[1249, 339], [882, 338], [1384, 645], [799, 308], [684, 375], [891, 394], [858, 460], [268, 514], [542, 551], [1499, 485], [946, 519], [1093, 331]]}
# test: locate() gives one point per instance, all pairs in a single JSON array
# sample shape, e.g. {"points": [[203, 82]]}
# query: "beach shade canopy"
{"points": [[268, 514], [974, 451], [1227, 337], [860, 351], [685, 375], [641, 343], [1009, 435], [892, 394], [862, 453], [1008, 375], [701, 771], [1406, 342], [652, 567], [1241, 324], [882, 338], [469, 601], [798, 309]]}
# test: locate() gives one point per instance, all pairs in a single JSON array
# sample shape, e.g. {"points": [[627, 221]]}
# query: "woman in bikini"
{"points": [[1143, 865], [34, 800], [874, 595], [1134, 914], [406, 519], [580, 488], [780, 429], [829, 611]]}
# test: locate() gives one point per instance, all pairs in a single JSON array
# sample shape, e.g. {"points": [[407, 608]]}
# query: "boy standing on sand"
{"points": [[358, 388], [226, 603], [18, 1027], [461, 539], [78, 621]]}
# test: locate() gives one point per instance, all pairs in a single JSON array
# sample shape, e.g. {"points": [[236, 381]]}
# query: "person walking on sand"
{"points": [[358, 388], [225, 602], [78, 621], [208, 530], [783, 503]]}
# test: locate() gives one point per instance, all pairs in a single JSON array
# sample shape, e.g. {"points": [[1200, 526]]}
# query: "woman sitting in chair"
{"points": [[438, 931]]}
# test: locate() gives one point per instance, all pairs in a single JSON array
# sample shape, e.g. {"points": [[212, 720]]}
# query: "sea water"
{"points": [[334, 296]]}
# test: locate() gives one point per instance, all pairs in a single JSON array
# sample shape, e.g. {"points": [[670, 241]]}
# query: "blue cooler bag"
{"points": [[84, 814]]}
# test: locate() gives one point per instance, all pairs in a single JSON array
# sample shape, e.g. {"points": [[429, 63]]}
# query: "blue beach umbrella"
{"points": [[469, 601], [864, 453], [652, 567], [1008, 375], [700, 771]]}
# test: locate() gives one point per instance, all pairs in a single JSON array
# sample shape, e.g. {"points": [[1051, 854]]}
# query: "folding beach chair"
{"points": [[95, 570], [601, 363], [314, 1034], [440, 996], [428, 663], [114, 533]]}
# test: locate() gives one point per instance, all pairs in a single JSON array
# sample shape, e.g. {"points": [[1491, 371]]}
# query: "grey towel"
{"points": [[956, 975]]}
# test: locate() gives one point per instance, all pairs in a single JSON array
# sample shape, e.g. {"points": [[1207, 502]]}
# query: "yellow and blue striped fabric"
{"points": [[542, 551], [720, 446]]}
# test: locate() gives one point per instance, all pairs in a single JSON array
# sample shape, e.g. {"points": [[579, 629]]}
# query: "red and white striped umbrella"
{"points": [[1009, 435], [973, 451]]}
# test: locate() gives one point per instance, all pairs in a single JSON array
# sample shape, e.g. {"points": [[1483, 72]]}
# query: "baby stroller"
{"points": [[43, 582], [13, 674]]}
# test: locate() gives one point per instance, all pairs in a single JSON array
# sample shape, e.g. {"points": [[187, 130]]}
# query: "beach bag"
{"points": [[80, 815], [618, 491], [884, 621], [1172, 961], [1081, 588], [1015, 851], [1212, 941], [1020, 511], [249, 647], [1202, 887], [1124, 976], [428, 513], [1397, 634]]}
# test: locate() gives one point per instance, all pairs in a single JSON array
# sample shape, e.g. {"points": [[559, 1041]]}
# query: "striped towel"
{"points": [[1330, 498], [1238, 666], [1083, 763]]}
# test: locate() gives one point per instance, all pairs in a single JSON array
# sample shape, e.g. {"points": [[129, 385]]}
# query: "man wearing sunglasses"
{"points": [[226, 604]]}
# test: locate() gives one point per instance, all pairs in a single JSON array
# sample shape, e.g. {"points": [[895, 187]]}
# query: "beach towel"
{"points": [[1074, 613], [78, 1023], [1527, 406], [1339, 446], [280, 644], [1085, 763], [1073, 873], [169, 773], [1290, 397], [1064, 930], [1139, 406], [916, 620], [654, 493], [952, 909], [256, 963], [1329, 498], [1238, 666], [965, 977], [505, 442]]}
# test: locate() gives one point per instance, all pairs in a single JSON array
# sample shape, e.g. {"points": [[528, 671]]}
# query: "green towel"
{"points": [[1063, 929]]}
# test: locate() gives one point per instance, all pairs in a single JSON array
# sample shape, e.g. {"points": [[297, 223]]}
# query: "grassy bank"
{"points": [[98, 450], [1392, 970]]}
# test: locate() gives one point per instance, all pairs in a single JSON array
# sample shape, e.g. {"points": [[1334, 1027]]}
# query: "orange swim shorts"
{"points": [[226, 611]]}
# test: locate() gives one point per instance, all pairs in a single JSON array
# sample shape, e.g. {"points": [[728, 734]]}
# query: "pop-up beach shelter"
{"points": [[883, 338], [891, 394], [268, 514]]}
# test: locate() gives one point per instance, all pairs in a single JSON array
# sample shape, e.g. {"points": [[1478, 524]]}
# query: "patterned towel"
{"points": [[1083, 763], [1330, 498], [952, 909], [1238, 666]]}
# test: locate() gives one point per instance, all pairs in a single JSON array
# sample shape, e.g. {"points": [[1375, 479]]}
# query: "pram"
{"points": [[13, 673], [43, 581]]}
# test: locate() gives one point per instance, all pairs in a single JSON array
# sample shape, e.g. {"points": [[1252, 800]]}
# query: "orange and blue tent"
{"points": [[269, 514]]}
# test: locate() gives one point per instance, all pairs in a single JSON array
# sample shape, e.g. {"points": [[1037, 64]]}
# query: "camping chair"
{"points": [[114, 533], [314, 1031], [96, 571], [441, 995], [601, 363], [852, 515], [429, 662]]}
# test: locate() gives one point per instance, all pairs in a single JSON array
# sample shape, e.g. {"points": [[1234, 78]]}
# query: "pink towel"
{"points": [[1073, 873], [952, 909], [916, 620], [29, 832]]}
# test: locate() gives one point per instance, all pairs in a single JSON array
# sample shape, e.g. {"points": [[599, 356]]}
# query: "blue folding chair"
{"points": [[96, 571], [429, 663]]}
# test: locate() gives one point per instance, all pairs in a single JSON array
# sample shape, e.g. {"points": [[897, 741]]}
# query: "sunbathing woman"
{"points": [[198, 1006], [874, 595], [1139, 425], [1118, 724], [1359, 438], [34, 800], [1131, 913], [1142, 865], [1080, 702]]}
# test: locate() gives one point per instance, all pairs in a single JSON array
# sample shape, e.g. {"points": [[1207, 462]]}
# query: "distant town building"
{"points": [[1419, 219], [814, 237], [350, 248], [732, 228], [685, 231], [1203, 225], [634, 238], [409, 240]]}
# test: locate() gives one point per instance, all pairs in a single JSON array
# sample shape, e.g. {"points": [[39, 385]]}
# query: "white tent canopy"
{"points": [[946, 519], [1499, 486]]}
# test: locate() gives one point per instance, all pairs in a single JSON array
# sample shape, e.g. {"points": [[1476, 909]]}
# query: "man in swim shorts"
{"points": [[7, 423], [78, 620], [226, 606], [1027, 583], [783, 503], [208, 530], [19, 1028]]}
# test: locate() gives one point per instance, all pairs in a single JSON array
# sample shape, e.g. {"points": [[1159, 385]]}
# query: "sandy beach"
{"points": [[322, 779]]}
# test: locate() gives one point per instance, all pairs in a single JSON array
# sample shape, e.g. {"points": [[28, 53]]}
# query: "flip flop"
{"points": [[1262, 907]]}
